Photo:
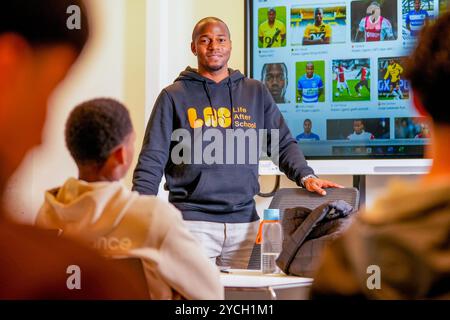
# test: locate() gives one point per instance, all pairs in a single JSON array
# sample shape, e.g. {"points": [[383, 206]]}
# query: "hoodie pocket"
{"points": [[227, 187]]}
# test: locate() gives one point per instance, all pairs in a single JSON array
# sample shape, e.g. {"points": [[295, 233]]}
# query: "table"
{"points": [[241, 284]]}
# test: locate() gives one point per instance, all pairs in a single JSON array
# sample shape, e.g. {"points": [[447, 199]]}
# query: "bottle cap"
{"points": [[272, 214]]}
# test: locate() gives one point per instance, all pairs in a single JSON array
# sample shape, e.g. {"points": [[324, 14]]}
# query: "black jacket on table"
{"points": [[221, 190]]}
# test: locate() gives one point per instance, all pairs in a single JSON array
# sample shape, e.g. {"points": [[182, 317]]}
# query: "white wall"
{"points": [[99, 72]]}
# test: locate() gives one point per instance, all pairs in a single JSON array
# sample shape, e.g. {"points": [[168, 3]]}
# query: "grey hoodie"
{"points": [[220, 191]]}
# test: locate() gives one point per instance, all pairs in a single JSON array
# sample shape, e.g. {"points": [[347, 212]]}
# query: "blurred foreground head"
{"points": [[428, 69], [39, 42]]}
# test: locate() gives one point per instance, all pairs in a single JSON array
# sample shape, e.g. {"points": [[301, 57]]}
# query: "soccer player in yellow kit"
{"points": [[319, 32], [394, 70], [272, 32]]}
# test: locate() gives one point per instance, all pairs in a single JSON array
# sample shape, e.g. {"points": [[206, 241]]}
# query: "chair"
{"points": [[133, 266], [299, 197]]}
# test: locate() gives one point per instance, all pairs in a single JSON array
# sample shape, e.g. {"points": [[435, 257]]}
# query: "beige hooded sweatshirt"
{"points": [[122, 223]]}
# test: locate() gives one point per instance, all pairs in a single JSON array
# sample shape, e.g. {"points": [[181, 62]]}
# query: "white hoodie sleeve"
{"points": [[182, 264]]}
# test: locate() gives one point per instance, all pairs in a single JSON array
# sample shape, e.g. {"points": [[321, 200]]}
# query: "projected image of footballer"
{"points": [[275, 77], [310, 87], [315, 26], [351, 80], [416, 18], [272, 32], [319, 32], [374, 26], [391, 86], [341, 82], [307, 134], [364, 74], [359, 134]]}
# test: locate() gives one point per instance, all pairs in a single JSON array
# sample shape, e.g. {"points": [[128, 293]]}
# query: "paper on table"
{"points": [[255, 279]]}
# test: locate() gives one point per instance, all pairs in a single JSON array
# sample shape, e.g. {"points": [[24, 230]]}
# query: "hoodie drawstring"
{"points": [[205, 87], [230, 92]]}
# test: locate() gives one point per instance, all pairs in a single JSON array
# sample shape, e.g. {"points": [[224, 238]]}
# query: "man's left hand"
{"points": [[317, 185]]}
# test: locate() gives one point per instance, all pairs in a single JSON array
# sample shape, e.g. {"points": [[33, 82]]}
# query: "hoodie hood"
{"points": [[191, 74], [77, 206], [407, 201], [406, 234]]}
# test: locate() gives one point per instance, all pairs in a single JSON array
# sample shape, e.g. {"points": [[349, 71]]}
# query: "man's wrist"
{"points": [[303, 180]]}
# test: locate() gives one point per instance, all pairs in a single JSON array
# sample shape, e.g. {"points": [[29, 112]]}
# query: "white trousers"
{"points": [[226, 244]]}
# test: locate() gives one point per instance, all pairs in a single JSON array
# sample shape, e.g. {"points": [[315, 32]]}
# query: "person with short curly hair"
{"points": [[99, 210], [95, 128]]}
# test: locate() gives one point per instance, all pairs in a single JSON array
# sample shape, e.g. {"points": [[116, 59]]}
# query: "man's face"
{"points": [[319, 17], [374, 12], [275, 80], [358, 126], [391, 62], [307, 126], [417, 5], [212, 46], [271, 15], [309, 70], [28, 76]]}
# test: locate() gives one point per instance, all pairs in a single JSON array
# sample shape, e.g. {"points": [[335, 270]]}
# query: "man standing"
{"points": [[307, 134], [274, 76], [319, 32], [416, 19], [272, 32], [216, 198], [309, 86], [374, 26]]}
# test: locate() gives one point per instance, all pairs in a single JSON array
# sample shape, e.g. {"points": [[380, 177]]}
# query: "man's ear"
{"points": [[419, 105], [119, 154], [193, 48]]}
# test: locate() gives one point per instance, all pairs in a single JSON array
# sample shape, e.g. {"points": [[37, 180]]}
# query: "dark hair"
{"points": [[44, 22], [95, 128], [208, 20], [428, 68]]}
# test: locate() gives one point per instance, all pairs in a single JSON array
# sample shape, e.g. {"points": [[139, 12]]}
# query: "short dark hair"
{"points": [[208, 20], [43, 22], [95, 128], [428, 68]]}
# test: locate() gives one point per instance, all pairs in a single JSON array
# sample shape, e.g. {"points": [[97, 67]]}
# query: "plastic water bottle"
{"points": [[271, 241]]}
